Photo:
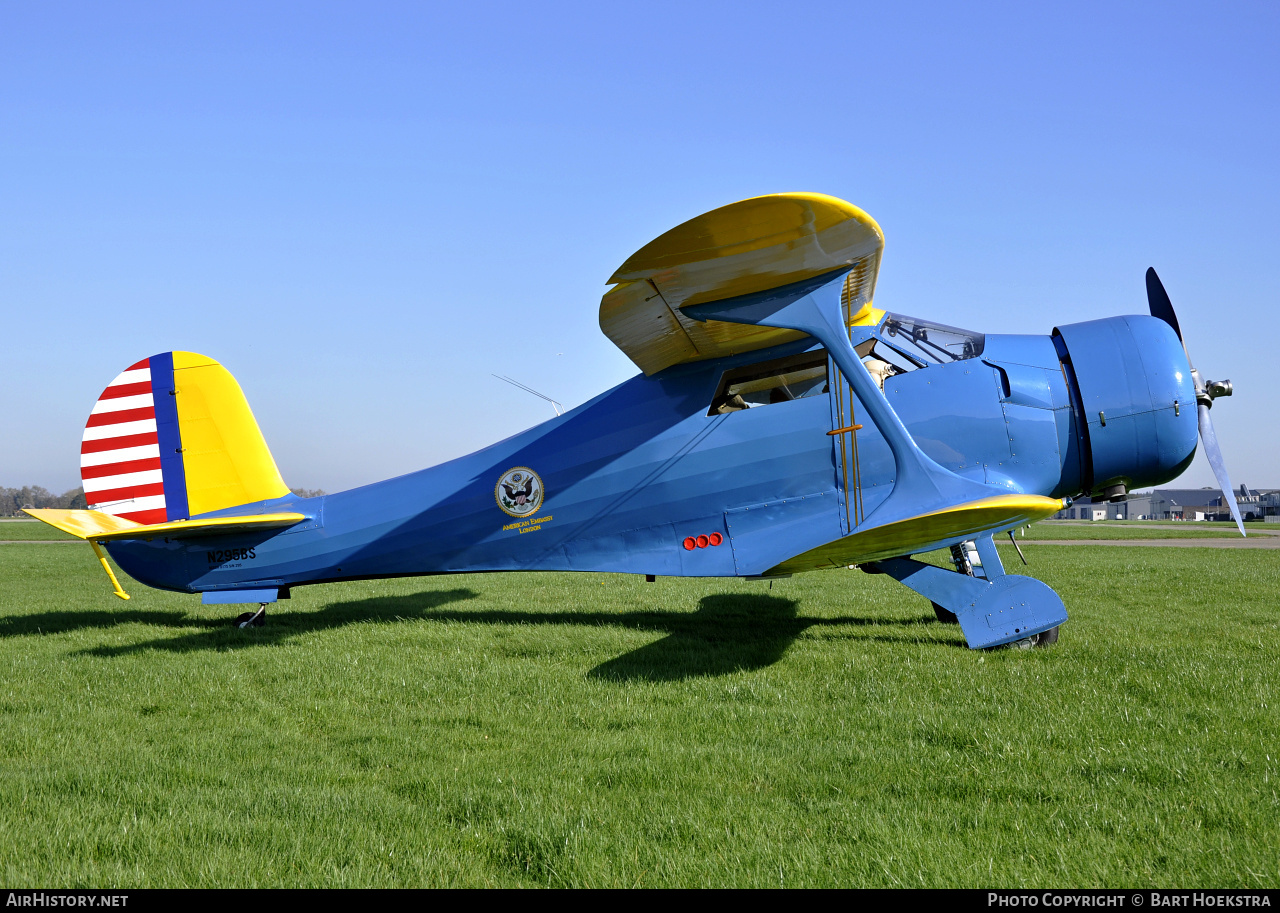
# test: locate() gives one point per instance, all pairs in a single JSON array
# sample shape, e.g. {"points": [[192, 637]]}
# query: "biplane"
{"points": [[781, 423]]}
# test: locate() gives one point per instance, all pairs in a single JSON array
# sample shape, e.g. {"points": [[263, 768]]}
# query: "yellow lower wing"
{"points": [[93, 524], [925, 532]]}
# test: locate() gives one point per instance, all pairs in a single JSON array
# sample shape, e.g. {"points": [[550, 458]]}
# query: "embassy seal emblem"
{"points": [[519, 491]]}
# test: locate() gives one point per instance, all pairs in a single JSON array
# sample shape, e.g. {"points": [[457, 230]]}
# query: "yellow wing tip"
{"points": [[83, 524], [1012, 500]]}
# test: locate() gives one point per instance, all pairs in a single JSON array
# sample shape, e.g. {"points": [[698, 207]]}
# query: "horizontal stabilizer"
{"points": [[925, 532], [102, 527]]}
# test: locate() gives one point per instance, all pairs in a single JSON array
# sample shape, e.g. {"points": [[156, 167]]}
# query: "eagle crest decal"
{"points": [[519, 491]]}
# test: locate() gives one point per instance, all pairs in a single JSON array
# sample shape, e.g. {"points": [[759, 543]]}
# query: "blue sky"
{"points": [[364, 210]]}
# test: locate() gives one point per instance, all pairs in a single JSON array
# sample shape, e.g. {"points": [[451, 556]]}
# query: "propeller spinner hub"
{"points": [[1209, 390], [1216, 388]]}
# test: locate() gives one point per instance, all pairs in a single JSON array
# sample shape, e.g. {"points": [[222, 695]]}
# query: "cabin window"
{"points": [[779, 380]]}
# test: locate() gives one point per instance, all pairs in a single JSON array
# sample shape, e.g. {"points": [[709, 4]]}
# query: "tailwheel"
{"points": [[253, 619], [946, 616]]}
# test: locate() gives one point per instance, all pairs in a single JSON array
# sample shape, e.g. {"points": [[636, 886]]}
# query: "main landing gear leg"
{"points": [[253, 619], [965, 558], [993, 609]]}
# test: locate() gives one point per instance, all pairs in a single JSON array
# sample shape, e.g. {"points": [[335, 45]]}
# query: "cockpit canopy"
{"points": [[908, 343]]}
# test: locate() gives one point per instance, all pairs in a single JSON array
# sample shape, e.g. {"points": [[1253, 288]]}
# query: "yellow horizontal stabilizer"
{"points": [[83, 524], [925, 532], [93, 524], [749, 246]]}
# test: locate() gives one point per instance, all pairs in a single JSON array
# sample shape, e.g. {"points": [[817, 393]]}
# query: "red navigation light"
{"points": [[703, 541], [715, 538], [690, 544]]}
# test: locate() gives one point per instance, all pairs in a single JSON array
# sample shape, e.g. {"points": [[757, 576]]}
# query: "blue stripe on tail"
{"points": [[172, 469]]}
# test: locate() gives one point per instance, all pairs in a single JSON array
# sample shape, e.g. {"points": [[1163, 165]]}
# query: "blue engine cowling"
{"points": [[1136, 398]]}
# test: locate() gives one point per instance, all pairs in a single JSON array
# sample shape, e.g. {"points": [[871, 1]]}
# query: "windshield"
{"points": [[923, 342]]}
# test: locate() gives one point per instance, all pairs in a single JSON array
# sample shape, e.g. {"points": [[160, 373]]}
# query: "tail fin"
{"points": [[173, 437]]}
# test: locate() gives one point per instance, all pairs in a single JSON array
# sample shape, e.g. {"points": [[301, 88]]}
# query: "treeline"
{"points": [[12, 500]]}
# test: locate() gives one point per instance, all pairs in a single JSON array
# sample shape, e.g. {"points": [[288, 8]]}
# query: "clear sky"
{"points": [[364, 210]]}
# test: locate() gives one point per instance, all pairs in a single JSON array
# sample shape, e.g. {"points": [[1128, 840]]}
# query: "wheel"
{"points": [[946, 616], [252, 619], [1044, 638]]}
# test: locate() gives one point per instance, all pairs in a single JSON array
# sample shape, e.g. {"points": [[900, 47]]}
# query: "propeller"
{"points": [[1206, 393]]}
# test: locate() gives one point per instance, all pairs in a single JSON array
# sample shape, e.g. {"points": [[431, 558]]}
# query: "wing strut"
{"points": [[813, 307]]}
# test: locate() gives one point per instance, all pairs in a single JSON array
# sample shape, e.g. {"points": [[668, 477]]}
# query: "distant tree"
{"points": [[12, 500]]}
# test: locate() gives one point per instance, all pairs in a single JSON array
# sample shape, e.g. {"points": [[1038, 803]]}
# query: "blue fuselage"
{"points": [[632, 474]]}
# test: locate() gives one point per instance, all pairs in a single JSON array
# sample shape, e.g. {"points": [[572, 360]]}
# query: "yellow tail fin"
{"points": [[226, 460], [172, 437]]}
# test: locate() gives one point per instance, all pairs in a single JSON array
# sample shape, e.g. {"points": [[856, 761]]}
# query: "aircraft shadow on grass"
{"points": [[220, 634], [728, 633]]}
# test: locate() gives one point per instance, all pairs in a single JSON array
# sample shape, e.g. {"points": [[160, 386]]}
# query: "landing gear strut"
{"points": [[253, 619], [992, 608], [960, 557]]}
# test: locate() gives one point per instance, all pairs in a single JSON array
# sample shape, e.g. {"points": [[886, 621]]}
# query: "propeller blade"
{"points": [[1162, 307], [1210, 442], [1159, 303]]}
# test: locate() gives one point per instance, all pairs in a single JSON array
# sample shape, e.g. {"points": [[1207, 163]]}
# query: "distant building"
{"points": [[1191, 504]]}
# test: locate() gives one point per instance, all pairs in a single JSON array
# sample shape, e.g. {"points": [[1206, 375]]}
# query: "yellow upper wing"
{"points": [[749, 246]]}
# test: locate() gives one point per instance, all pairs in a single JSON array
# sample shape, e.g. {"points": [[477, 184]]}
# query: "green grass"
{"points": [[555, 729], [13, 530], [1056, 529]]}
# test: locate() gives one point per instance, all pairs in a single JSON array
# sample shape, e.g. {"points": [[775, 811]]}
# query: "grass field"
{"points": [[554, 729], [1100, 530], [13, 530]]}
